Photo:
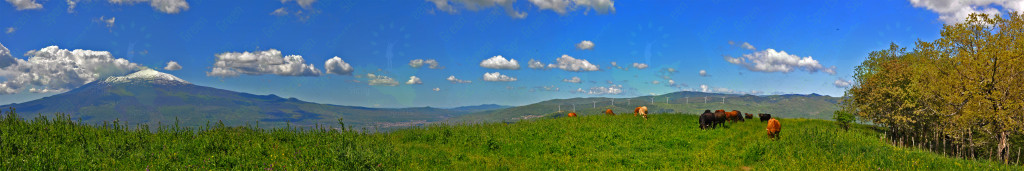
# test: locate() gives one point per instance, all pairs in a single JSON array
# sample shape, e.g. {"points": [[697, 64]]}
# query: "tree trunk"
{"points": [[1001, 150]]}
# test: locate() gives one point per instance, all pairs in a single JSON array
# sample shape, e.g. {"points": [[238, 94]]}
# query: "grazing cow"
{"points": [[773, 128], [749, 116], [764, 116], [609, 112], [636, 111], [734, 116], [572, 114], [719, 118], [643, 111], [706, 119]]}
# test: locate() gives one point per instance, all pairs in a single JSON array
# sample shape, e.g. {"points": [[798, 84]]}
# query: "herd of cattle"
{"points": [[709, 120]]}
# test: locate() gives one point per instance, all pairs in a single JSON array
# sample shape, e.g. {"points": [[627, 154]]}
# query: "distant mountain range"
{"points": [[811, 106], [151, 97]]}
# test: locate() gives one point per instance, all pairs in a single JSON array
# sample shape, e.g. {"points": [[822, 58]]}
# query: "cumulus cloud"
{"points": [[381, 80], [338, 66], [165, 6], [495, 76], [703, 73], [10, 30], [704, 88], [569, 63], [952, 12], [499, 62], [52, 69], [564, 6], [743, 45], [456, 80], [545, 88], [613, 89], [475, 5], [25, 4], [579, 90], [437, 88], [534, 64], [5, 57], [573, 80], [414, 80], [655, 82], [172, 66], [842, 83], [231, 64], [431, 63], [585, 45], [770, 60], [639, 65]]}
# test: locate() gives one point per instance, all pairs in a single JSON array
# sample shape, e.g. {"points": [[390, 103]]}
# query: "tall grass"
{"points": [[665, 141]]}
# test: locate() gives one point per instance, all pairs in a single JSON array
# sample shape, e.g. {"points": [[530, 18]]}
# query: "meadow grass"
{"points": [[623, 142]]}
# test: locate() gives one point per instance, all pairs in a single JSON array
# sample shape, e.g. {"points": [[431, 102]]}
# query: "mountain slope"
{"points": [[788, 106], [155, 98]]}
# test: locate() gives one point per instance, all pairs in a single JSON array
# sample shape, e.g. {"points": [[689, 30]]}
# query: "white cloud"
{"points": [[495, 76], [569, 63], [437, 88], [172, 66], [770, 60], [231, 64], [704, 88], [381, 80], [307, 4], [280, 12], [5, 57], [108, 21], [25, 4], [579, 90], [613, 89], [655, 82], [431, 63], [338, 66], [546, 88], [573, 80], [498, 62], [564, 6], [842, 83], [956, 11], [639, 65], [52, 69], [414, 80], [71, 5], [165, 6], [456, 80], [536, 64], [747, 46], [475, 5], [703, 73], [10, 30], [585, 45]]}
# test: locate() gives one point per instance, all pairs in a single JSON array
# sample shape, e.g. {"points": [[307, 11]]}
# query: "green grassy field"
{"points": [[665, 141]]}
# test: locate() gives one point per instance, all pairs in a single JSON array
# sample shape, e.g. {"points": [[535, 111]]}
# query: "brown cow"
{"points": [[774, 128], [733, 116], [636, 111], [609, 112], [719, 118], [572, 114], [749, 116], [643, 111]]}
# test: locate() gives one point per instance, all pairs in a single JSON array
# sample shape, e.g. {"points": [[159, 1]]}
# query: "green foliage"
{"points": [[843, 118], [622, 142]]}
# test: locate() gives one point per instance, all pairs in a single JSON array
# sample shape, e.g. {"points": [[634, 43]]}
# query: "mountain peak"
{"points": [[147, 76]]}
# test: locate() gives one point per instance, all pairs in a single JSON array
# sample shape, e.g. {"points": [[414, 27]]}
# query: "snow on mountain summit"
{"points": [[147, 76]]}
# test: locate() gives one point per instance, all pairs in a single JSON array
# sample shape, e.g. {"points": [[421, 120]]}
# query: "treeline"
{"points": [[962, 95]]}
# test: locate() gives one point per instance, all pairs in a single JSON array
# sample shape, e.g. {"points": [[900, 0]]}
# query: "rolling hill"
{"points": [[151, 97], [811, 106]]}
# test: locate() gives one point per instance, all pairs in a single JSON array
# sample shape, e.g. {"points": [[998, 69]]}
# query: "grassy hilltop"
{"points": [[665, 141]]}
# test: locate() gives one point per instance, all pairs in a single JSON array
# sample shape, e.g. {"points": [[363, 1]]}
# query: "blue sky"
{"points": [[382, 37]]}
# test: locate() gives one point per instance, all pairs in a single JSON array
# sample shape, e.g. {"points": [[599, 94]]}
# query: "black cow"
{"points": [[764, 116], [706, 119], [719, 119]]}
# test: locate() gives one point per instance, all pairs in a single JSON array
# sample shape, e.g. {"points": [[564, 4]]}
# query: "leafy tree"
{"points": [[843, 118]]}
